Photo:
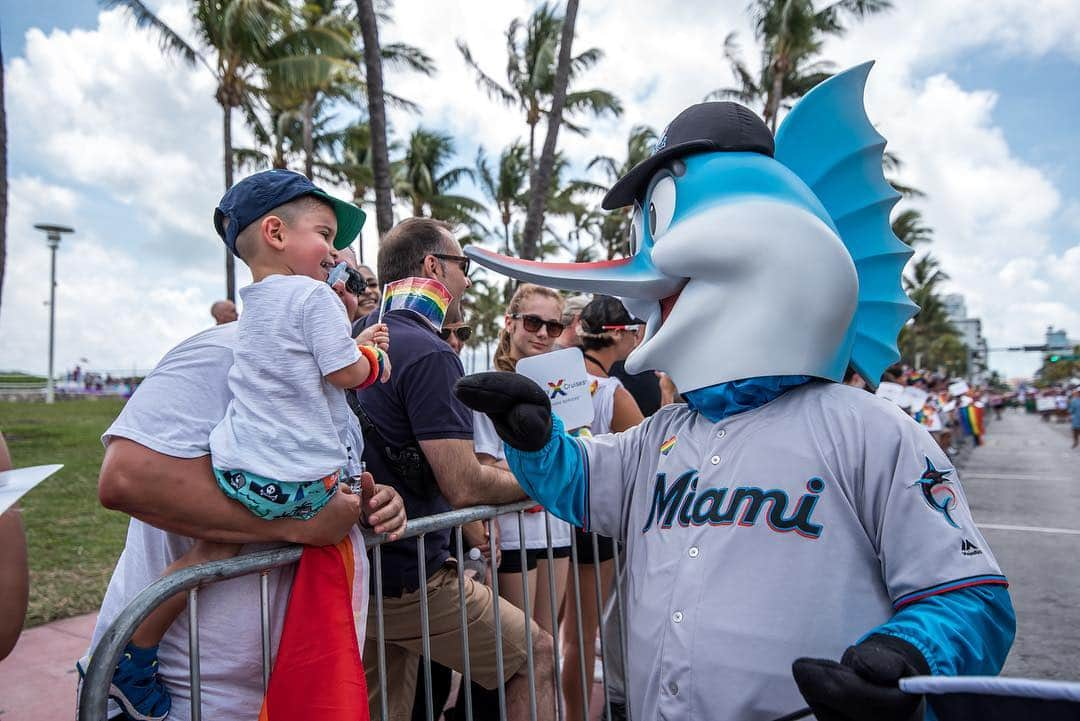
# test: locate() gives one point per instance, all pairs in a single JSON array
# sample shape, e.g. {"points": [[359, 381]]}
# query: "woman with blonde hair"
{"points": [[531, 326]]}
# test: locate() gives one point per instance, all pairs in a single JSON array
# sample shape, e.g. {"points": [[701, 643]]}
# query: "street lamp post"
{"points": [[52, 237]]}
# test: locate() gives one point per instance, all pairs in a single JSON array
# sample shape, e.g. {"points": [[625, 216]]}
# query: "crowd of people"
{"points": [[276, 426]]}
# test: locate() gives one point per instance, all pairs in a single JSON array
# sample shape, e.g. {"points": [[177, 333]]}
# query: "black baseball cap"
{"points": [[723, 126], [258, 194], [605, 310]]}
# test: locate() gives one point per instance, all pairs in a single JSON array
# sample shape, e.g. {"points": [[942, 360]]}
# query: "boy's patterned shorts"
{"points": [[268, 498]]}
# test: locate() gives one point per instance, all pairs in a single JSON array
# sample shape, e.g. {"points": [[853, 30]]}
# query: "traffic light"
{"points": [[1055, 358]]}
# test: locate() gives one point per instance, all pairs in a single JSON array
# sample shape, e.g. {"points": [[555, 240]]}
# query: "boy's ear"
{"points": [[271, 232]]}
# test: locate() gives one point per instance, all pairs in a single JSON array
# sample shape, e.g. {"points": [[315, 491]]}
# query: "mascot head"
{"points": [[751, 257]]}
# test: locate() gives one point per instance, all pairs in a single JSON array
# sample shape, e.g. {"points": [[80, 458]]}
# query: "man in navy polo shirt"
{"points": [[417, 408]]}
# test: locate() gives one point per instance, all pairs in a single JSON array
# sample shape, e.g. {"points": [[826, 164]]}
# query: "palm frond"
{"points": [[494, 90], [170, 41]]}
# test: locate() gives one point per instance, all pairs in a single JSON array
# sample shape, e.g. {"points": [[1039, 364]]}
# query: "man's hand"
{"points": [[377, 335], [865, 684], [518, 408], [383, 509]]}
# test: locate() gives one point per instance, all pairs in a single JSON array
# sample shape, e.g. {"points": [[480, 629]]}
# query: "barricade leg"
{"points": [[584, 680], [425, 627], [466, 671], [528, 614], [498, 625], [559, 711], [600, 614], [380, 633], [193, 654]]}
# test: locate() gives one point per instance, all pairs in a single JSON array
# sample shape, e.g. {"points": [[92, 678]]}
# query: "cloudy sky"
{"points": [[977, 96]]}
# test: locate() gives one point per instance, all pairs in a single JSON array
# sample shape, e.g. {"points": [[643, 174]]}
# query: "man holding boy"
{"points": [[157, 469]]}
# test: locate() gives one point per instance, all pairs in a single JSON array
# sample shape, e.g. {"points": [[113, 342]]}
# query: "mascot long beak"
{"points": [[634, 277]]}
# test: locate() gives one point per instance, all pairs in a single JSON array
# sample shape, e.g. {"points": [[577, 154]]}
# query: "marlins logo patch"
{"points": [[937, 491], [667, 445]]}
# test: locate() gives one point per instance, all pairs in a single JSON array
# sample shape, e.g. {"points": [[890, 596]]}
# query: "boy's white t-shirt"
{"points": [[172, 412], [285, 421]]}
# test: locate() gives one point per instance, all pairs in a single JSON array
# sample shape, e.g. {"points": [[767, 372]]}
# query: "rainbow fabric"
{"points": [[667, 445], [426, 297], [318, 675], [971, 418]]}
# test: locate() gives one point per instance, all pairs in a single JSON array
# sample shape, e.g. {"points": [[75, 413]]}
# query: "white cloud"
{"points": [[126, 145]]}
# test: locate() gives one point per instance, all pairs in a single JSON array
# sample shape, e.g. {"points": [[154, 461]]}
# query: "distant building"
{"points": [[1058, 339], [970, 330]]}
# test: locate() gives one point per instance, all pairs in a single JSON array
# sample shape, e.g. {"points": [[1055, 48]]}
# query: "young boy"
{"points": [[283, 445]]}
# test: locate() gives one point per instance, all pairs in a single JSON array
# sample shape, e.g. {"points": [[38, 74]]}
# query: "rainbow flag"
{"points": [[426, 297], [318, 675], [971, 418]]}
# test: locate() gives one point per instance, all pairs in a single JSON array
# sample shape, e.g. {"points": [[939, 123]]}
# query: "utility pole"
{"points": [[52, 237]]}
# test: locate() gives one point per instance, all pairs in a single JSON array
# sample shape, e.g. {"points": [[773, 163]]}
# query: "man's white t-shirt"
{"points": [[285, 421], [172, 412]]}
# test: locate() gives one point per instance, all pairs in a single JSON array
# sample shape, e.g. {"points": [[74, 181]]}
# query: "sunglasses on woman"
{"points": [[532, 324], [463, 333]]}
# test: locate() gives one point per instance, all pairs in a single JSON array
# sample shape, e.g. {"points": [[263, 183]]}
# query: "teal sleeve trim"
{"points": [[966, 632], [556, 476]]}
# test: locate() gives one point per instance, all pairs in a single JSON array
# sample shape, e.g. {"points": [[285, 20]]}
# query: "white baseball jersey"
{"points": [[789, 530]]}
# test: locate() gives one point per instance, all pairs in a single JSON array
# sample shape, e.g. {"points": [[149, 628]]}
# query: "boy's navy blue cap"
{"points": [[256, 195], [705, 127]]}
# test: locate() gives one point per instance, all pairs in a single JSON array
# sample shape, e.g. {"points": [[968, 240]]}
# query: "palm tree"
{"points": [[506, 185], [3, 177], [930, 336], [615, 226], [909, 227], [791, 34], [239, 33], [380, 154], [423, 179], [531, 48]]}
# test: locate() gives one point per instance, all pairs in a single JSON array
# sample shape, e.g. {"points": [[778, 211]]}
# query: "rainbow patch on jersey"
{"points": [[667, 445]]}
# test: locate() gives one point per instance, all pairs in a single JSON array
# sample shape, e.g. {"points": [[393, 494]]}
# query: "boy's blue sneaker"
{"points": [[136, 685]]}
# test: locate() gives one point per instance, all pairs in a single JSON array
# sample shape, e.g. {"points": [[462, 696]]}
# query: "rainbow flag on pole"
{"points": [[426, 297]]}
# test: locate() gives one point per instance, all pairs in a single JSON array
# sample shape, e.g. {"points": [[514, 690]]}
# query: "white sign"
{"points": [[13, 484], [890, 391], [1045, 403], [561, 374], [958, 388], [914, 398]]}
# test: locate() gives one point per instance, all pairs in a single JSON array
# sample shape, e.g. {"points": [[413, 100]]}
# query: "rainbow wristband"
{"points": [[372, 357]]}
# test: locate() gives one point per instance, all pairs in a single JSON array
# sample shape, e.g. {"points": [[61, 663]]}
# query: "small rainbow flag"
{"points": [[667, 445], [972, 420], [426, 297]]}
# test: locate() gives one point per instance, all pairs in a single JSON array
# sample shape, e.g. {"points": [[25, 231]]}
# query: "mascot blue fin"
{"points": [[828, 141]]}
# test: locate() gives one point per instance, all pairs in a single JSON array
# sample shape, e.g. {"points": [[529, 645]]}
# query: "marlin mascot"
{"points": [[783, 524]]}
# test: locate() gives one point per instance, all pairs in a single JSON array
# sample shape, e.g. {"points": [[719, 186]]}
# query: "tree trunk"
{"points": [[380, 156], [230, 263], [538, 184], [772, 110], [3, 176], [308, 108]]}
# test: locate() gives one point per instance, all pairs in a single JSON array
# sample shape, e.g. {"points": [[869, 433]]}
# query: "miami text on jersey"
{"points": [[682, 502]]}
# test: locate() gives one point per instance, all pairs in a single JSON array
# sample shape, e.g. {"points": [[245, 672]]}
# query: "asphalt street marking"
{"points": [[1031, 529], [1009, 477]]}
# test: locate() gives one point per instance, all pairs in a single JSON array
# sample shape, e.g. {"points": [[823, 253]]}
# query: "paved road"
{"points": [[1024, 489]]}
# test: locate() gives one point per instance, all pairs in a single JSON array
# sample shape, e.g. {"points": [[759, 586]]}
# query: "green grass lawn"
{"points": [[73, 541]]}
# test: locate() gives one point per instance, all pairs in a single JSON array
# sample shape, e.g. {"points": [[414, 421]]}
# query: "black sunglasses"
{"points": [[463, 333], [532, 324], [463, 262]]}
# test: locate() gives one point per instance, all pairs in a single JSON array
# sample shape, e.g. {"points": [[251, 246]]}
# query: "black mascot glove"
{"points": [[865, 684], [520, 411]]}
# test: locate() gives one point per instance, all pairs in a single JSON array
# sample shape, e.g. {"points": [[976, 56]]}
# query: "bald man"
{"points": [[224, 311]]}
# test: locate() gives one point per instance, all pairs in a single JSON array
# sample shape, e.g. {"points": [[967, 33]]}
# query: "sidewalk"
{"points": [[37, 681]]}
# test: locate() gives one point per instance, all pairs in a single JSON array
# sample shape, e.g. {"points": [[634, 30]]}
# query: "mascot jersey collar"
{"points": [[727, 399]]}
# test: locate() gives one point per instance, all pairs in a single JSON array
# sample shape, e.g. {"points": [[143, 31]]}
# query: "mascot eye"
{"points": [[661, 206], [633, 236]]}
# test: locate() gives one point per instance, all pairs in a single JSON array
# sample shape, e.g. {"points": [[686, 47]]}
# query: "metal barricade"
{"points": [[93, 697]]}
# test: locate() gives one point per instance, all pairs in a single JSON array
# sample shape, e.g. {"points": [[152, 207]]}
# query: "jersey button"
{"points": [[677, 617], [693, 552], [714, 460], [721, 433], [673, 688]]}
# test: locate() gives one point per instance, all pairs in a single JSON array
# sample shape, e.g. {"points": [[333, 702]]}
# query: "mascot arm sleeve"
{"points": [[556, 476], [583, 480], [964, 632]]}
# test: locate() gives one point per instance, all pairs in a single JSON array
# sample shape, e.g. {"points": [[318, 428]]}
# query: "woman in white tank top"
{"points": [[607, 334]]}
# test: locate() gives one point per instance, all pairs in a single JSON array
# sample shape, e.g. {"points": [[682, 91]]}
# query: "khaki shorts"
{"points": [[401, 626]]}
